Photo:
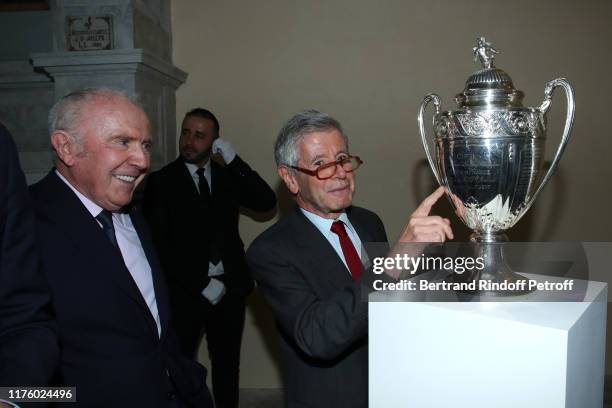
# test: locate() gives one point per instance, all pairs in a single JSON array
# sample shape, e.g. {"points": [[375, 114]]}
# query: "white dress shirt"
{"points": [[131, 249], [194, 175], [324, 226], [215, 289]]}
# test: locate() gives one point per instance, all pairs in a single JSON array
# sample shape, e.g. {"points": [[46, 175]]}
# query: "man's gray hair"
{"points": [[68, 111], [300, 125]]}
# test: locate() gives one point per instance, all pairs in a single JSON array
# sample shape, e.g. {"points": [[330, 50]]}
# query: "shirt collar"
{"points": [[193, 168], [324, 224], [93, 208]]}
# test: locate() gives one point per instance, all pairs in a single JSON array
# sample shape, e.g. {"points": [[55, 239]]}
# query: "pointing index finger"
{"points": [[425, 207]]}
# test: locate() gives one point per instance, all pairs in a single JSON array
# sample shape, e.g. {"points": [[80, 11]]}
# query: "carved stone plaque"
{"points": [[85, 33]]}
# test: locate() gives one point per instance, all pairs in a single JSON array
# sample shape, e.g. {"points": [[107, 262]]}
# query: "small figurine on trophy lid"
{"points": [[489, 155]]}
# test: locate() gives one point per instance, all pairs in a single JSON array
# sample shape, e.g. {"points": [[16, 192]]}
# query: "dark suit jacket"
{"points": [[183, 231], [28, 344], [110, 347], [319, 309]]}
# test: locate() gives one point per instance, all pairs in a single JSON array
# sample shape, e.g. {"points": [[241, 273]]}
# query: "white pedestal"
{"points": [[506, 354]]}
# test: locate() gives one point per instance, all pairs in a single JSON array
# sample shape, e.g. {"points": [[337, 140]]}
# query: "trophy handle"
{"points": [[569, 120], [436, 100]]}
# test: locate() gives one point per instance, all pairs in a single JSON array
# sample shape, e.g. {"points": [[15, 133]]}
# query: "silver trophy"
{"points": [[489, 153]]}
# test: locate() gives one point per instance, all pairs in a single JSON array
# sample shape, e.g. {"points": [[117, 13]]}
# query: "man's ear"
{"points": [[288, 177], [64, 146]]}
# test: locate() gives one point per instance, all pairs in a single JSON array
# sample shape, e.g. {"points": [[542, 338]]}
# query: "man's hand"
{"points": [[422, 227], [224, 148]]}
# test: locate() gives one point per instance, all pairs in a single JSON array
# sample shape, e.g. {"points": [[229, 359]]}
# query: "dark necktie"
{"points": [[348, 249], [206, 198], [203, 186], [106, 219]]}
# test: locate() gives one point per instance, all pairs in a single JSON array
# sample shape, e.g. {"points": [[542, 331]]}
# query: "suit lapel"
{"points": [[219, 199], [186, 185], [185, 180], [220, 186], [364, 234], [70, 214], [317, 253]]}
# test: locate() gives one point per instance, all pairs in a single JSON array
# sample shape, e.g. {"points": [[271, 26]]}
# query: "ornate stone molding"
{"points": [[110, 61], [19, 74]]}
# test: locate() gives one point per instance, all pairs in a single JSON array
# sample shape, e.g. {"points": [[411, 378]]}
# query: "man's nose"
{"points": [[339, 171], [140, 157]]}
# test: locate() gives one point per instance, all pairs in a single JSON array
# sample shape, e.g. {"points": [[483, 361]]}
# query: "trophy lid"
{"points": [[490, 86]]}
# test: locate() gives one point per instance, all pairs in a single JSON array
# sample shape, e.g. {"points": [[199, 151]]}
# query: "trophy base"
{"points": [[496, 279], [488, 237]]}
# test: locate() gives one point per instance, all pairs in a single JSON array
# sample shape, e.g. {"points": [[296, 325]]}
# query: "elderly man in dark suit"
{"points": [[308, 264], [28, 344], [107, 286], [192, 205]]}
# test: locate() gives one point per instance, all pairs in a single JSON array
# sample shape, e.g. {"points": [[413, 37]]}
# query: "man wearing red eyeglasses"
{"points": [[308, 265]]}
